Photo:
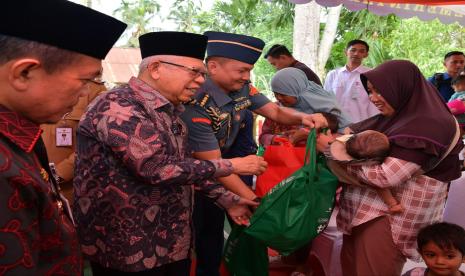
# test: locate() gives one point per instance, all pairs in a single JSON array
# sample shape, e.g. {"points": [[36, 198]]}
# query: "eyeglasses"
{"points": [[193, 71], [98, 80]]}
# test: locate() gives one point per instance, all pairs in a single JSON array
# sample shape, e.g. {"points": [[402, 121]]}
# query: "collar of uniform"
{"points": [[446, 76], [220, 97], [18, 129], [151, 97]]}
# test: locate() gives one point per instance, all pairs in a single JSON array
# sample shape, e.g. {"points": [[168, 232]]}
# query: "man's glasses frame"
{"points": [[194, 71], [97, 80]]}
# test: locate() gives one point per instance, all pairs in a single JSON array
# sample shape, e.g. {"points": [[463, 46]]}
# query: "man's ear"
{"points": [[22, 71], [154, 70], [212, 67]]}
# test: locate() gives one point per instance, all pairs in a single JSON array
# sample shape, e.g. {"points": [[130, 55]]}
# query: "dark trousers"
{"points": [[209, 237], [179, 268]]}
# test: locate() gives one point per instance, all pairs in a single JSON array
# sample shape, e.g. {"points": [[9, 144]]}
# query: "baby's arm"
{"points": [[390, 200]]}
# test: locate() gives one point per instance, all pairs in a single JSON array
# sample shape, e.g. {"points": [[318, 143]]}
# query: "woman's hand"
{"points": [[315, 120]]}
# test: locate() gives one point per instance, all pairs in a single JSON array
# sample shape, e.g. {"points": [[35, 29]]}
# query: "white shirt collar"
{"points": [[358, 69]]}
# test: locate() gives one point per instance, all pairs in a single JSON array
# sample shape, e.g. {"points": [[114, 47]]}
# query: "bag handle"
{"points": [[310, 151]]}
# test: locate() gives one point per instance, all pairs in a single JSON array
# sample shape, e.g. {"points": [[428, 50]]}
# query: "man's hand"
{"points": [[316, 120], [240, 213], [248, 165]]}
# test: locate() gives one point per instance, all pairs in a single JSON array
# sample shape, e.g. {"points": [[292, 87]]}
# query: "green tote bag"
{"points": [[299, 207], [244, 255]]}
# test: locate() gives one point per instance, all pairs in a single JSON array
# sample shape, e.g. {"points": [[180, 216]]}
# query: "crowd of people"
{"points": [[133, 180]]}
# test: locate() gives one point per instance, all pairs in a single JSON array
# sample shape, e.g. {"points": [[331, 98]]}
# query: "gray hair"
{"points": [[145, 63], [151, 59]]}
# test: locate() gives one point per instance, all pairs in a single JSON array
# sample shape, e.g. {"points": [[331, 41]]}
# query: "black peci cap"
{"points": [[173, 43], [62, 24]]}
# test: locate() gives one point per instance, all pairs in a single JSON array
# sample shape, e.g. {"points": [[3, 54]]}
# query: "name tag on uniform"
{"points": [[64, 136]]}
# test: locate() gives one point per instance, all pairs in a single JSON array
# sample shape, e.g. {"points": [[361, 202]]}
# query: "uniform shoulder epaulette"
{"points": [[200, 100], [204, 100]]}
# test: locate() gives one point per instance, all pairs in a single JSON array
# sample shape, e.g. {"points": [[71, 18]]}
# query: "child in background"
{"points": [[456, 103], [442, 247], [457, 108], [459, 87]]}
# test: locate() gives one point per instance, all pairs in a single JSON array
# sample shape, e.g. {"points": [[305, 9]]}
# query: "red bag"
{"points": [[283, 160]]}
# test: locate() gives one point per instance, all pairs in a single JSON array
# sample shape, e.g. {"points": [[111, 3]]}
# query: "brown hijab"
{"points": [[422, 127]]}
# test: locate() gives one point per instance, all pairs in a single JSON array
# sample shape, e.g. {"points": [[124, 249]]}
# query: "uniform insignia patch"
{"points": [[242, 105], [253, 90], [201, 120]]}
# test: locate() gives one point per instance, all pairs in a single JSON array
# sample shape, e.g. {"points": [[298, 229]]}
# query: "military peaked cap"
{"points": [[239, 47]]}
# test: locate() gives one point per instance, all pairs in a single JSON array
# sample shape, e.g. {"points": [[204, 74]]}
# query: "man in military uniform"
{"points": [[214, 118], [49, 52], [244, 144], [60, 141]]}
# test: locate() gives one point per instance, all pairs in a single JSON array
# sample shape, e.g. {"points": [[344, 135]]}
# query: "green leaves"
{"points": [[271, 21], [137, 14], [389, 37], [426, 43], [184, 13]]}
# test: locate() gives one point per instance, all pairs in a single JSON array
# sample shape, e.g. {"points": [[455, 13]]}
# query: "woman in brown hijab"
{"points": [[421, 131]]}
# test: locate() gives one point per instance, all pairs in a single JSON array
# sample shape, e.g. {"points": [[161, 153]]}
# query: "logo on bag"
{"points": [[320, 228], [281, 184]]}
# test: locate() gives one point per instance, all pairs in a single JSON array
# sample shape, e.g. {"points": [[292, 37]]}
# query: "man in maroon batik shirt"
{"points": [[49, 52]]}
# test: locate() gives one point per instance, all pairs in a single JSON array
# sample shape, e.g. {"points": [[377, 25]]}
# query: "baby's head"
{"points": [[458, 83], [324, 138], [368, 144], [442, 247]]}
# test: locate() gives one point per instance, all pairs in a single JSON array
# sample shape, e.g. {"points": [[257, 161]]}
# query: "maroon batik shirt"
{"points": [[36, 237], [134, 180]]}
